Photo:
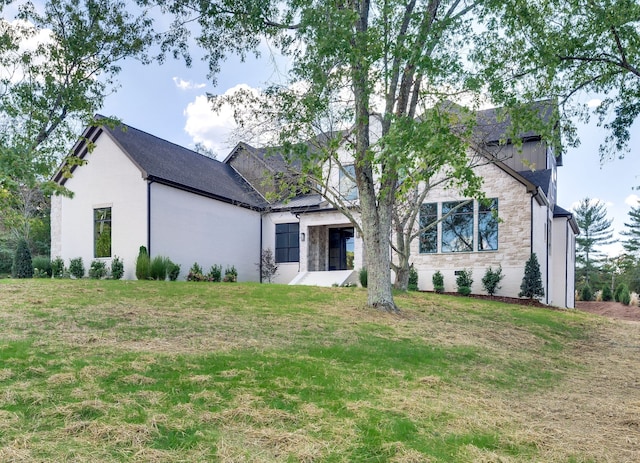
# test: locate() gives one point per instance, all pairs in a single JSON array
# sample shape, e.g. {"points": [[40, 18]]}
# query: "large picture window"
{"points": [[457, 226], [348, 189], [428, 228], [287, 242], [102, 232], [488, 225]]}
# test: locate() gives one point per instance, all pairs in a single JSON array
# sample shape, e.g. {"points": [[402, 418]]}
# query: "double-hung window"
{"points": [[287, 242], [102, 232]]}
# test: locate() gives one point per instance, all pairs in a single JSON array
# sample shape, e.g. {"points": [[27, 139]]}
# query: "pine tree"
{"points": [[531, 286], [632, 231], [595, 231], [22, 265]]}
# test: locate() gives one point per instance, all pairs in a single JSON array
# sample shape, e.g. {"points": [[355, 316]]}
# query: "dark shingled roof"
{"points": [[560, 212], [540, 178], [494, 130], [175, 165]]}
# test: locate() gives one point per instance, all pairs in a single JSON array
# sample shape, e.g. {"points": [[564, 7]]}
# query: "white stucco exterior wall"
{"points": [[563, 264], [329, 219], [109, 179], [539, 245], [286, 270], [189, 228]]}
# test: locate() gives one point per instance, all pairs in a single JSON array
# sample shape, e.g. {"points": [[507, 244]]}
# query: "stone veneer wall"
{"points": [[514, 238]]}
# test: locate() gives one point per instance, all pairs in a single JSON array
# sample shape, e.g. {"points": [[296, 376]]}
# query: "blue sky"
{"points": [[169, 101]]}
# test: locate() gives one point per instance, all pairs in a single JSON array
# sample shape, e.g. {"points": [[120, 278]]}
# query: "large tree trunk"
{"points": [[376, 227], [376, 212]]}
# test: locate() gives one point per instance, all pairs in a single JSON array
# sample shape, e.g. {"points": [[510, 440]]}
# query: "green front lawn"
{"points": [[162, 371]]}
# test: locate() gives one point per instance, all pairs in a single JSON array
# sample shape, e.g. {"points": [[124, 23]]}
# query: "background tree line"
{"points": [[595, 270]]}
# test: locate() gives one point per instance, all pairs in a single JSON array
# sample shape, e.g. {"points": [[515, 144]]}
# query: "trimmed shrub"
{"points": [[464, 290], [76, 267], [22, 266], [413, 279], [491, 280], [230, 275], [173, 270], [438, 282], [464, 280], [215, 273], [117, 268], [57, 267], [43, 264], [586, 293], [97, 269], [364, 277], [143, 264], [531, 286], [158, 268], [607, 295]]}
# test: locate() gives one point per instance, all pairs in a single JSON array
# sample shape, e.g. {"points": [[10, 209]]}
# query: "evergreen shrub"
{"points": [[97, 269], [215, 273], [491, 280], [117, 268], [438, 282], [76, 267], [173, 271], [464, 280], [618, 291], [143, 264], [606, 293], [531, 286], [586, 294], [57, 267], [625, 296], [22, 266], [413, 279]]}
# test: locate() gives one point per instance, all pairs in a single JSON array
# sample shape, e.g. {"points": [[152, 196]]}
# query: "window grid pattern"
{"points": [[457, 228], [288, 242]]}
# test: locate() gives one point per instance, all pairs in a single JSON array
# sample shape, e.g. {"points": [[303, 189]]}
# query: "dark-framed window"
{"points": [[102, 232], [488, 225], [288, 242], [428, 228], [347, 184], [457, 226]]}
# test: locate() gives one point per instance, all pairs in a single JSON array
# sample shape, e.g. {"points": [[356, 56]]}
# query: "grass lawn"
{"points": [[196, 372]]}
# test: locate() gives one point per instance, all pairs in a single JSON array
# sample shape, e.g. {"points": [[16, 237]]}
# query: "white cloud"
{"points": [[594, 103], [632, 200], [187, 84], [213, 129]]}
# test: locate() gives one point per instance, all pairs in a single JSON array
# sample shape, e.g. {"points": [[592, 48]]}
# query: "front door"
{"points": [[341, 247]]}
